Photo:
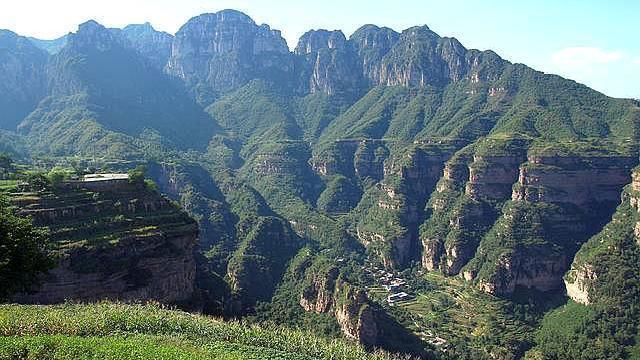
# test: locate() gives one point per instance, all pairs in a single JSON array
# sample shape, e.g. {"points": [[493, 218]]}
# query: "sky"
{"points": [[595, 42]]}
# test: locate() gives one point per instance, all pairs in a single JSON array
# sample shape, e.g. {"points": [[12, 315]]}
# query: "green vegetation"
{"points": [[472, 324], [283, 182], [608, 327], [23, 256], [116, 331]]}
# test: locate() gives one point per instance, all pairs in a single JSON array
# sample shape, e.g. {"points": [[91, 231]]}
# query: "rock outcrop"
{"points": [[371, 44], [557, 204], [355, 315], [591, 265], [154, 45], [390, 226], [140, 268], [219, 52], [123, 243], [421, 58], [575, 180], [327, 293], [331, 66]]}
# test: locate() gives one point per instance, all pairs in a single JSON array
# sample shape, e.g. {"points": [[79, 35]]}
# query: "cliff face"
{"points": [[574, 180], [422, 58], [355, 316], [120, 243], [214, 53], [600, 258], [151, 267], [219, 52], [153, 45], [464, 205], [394, 207], [371, 44], [328, 294], [557, 204], [330, 64]]}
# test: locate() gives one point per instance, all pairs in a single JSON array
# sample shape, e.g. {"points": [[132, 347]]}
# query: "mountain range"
{"points": [[310, 171]]}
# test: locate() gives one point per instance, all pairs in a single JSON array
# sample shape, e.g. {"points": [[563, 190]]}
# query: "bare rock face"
{"points": [[150, 267], [355, 316], [557, 204], [579, 282], [22, 78], [331, 65], [523, 270], [390, 227], [470, 184], [350, 306], [131, 265], [371, 44], [218, 52], [578, 181], [318, 297], [582, 278], [421, 57], [153, 45], [369, 160], [491, 177]]}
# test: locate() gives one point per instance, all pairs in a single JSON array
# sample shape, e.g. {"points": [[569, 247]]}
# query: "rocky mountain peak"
{"points": [[421, 57], [372, 43], [217, 52], [154, 45], [140, 29], [231, 16], [331, 65], [314, 40], [7, 38], [91, 34]]}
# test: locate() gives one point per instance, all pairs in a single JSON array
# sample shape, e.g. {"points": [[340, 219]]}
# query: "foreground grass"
{"points": [[118, 331]]}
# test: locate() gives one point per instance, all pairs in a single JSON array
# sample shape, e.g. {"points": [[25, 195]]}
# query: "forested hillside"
{"points": [[396, 189]]}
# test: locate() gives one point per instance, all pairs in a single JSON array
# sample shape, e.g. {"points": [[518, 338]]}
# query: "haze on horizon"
{"points": [[592, 42]]}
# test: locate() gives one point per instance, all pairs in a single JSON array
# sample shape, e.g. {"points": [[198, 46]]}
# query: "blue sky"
{"points": [[595, 42]]}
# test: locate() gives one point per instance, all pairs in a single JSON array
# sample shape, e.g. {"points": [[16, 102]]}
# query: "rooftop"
{"points": [[104, 177]]}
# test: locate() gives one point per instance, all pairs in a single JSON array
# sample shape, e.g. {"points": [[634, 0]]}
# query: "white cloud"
{"points": [[637, 61], [585, 57]]}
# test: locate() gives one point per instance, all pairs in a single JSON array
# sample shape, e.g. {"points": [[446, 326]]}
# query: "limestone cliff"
{"points": [[393, 209], [325, 292], [475, 182], [557, 203], [330, 64], [154, 45], [218, 52], [594, 263], [121, 242]]}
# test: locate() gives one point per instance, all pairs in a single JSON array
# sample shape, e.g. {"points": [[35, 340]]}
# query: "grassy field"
{"points": [[118, 331]]}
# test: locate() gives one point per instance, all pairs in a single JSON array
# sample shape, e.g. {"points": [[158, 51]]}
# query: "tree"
{"points": [[6, 165], [58, 174], [22, 252], [37, 182], [136, 176]]}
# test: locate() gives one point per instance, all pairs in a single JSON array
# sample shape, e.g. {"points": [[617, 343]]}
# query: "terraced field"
{"points": [[453, 312], [81, 218]]}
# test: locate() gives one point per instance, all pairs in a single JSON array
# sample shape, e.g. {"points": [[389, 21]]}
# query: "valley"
{"points": [[392, 193]]}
